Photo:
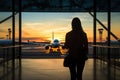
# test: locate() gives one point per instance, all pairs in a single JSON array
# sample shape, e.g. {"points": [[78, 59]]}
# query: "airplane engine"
{"points": [[63, 47], [46, 47]]}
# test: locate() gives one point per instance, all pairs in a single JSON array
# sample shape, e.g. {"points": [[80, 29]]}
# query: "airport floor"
{"points": [[52, 69]]}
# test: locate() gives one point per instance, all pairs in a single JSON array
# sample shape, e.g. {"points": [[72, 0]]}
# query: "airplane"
{"points": [[5, 42], [55, 46], [114, 43]]}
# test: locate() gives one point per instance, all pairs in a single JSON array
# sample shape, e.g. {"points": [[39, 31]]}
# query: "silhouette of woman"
{"points": [[77, 44]]}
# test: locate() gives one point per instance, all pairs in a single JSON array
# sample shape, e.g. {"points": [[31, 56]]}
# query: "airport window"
{"points": [[41, 29], [37, 29]]}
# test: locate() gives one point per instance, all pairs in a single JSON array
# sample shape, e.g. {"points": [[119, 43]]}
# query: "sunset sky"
{"points": [[38, 26]]}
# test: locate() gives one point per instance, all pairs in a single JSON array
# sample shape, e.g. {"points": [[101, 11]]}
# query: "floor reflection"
{"points": [[52, 69], [11, 70], [44, 69]]}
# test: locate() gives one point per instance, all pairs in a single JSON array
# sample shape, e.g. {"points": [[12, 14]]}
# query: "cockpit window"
{"points": [[56, 41]]}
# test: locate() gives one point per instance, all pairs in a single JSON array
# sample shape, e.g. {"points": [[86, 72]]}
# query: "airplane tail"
{"points": [[52, 36]]}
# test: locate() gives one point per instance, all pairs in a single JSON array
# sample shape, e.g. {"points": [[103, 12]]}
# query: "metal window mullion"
{"points": [[109, 30], [20, 37], [13, 39], [94, 41]]}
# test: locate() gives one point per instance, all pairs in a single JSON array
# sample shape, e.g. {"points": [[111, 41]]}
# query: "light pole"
{"points": [[7, 37], [9, 31], [100, 34]]}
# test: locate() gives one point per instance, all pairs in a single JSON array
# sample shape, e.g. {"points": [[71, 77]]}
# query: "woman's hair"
{"points": [[76, 24]]}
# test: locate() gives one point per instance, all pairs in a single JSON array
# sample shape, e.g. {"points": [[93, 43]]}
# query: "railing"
{"points": [[108, 60], [102, 54], [9, 62], [6, 53]]}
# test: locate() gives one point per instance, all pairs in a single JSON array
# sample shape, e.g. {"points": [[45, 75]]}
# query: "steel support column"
{"points": [[109, 39], [94, 40], [20, 37], [13, 39]]}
